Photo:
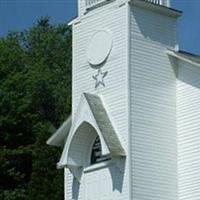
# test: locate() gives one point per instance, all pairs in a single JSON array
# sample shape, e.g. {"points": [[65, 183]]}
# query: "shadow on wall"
{"points": [[189, 75], [115, 172], [154, 26], [185, 73], [75, 189]]}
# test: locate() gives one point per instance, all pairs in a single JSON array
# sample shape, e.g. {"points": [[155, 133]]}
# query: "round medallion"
{"points": [[99, 47]]}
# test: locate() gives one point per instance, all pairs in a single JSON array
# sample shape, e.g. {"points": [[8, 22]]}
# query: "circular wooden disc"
{"points": [[99, 47]]}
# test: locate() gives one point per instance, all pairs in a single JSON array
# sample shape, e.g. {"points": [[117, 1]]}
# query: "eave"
{"points": [[185, 56], [143, 4], [60, 136]]}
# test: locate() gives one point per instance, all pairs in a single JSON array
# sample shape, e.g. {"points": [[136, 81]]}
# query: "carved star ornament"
{"points": [[98, 51], [99, 78]]}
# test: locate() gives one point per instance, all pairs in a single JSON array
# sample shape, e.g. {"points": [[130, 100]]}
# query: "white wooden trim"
{"points": [[128, 40], [98, 166], [172, 53], [60, 136], [92, 3]]}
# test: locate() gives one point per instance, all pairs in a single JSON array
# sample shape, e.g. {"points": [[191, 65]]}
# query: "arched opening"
{"points": [[85, 146], [90, 121], [96, 154]]}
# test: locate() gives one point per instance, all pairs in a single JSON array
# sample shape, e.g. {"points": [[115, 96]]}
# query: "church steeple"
{"points": [[124, 93]]}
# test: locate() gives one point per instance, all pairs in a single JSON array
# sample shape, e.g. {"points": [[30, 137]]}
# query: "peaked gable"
{"points": [[92, 111], [91, 120]]}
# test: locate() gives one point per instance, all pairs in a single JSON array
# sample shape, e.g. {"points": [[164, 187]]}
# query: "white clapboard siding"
{"points": [[139, 96], [112, 19], [153, 107], [114, 93], [188, 105]]}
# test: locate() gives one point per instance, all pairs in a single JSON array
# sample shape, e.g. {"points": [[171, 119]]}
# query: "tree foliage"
{"points": [[35, 95]]}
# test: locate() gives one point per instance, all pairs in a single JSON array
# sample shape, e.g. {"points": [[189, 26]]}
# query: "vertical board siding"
{"points": [[114, 94], [153, 107], [188, 104]]}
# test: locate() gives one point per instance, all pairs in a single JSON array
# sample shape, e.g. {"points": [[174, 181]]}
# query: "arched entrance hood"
{"points": [[91, 119]]}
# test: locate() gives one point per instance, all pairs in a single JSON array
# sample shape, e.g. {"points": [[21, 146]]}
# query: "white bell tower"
{"points": [[121, 137]]}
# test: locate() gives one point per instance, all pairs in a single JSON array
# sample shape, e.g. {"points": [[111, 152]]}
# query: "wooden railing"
{"points": [[92, 3], [155, 1], [160, 2]]}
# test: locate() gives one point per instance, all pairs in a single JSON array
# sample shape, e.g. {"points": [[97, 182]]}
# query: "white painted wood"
{"points": [[81, 8], [155, 1], [99, 184], [114, 94], [188, 110], [92, 3], [154, 110], [87, 124], [183, 58], [160, 2], [67, 187], [128, 82], [99, 47], [153, 106], [166, 3]]}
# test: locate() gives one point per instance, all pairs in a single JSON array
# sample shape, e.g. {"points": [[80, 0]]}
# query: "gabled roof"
{"points": [[104, 123], [185, 56], [60, 136], [92, 111], [91, 119]]}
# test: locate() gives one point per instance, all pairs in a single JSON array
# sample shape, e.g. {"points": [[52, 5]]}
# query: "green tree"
{"points": [[35, 95]]}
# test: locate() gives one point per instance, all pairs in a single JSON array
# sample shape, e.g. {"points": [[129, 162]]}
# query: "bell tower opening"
{"points": [[96, 154]]}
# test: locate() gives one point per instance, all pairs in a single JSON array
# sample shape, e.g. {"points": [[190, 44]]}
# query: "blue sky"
{"points": [[20, 14]]}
